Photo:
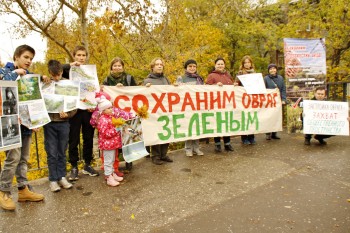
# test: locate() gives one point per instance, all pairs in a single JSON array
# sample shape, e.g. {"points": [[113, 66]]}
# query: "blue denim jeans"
{"points": [[16, 164], [56, 141]]}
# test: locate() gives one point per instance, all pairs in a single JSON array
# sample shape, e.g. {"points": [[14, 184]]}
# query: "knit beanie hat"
{"points": [[270, 66], [101, 93], [103, 103], [191, 61]]}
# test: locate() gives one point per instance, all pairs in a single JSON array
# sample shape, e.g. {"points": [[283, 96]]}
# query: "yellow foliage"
{"points": [[118, 122], [142, 112]]}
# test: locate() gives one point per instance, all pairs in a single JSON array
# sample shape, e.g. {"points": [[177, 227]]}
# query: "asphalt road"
{"points": [[273, 186]]}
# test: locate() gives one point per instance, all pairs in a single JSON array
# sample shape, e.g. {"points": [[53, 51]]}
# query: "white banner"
{"points": [[326, 117], [179, 113]]}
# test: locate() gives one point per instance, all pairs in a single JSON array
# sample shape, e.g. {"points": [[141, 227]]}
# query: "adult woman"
{"points": [[274, 80], [220, 77], [191, 78], [246, 67], [118, 77], [156, 77]]}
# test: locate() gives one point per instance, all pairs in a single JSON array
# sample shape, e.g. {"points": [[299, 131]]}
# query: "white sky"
{"points": [[9, 42]]}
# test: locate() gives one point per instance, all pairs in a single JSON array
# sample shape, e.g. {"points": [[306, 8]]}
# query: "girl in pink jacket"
{"points": [[108, 140]]}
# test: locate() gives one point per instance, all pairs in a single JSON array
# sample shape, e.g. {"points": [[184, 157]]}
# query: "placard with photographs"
{"points": [[87, 76], [10, 132], [60, 96], [33, 110]]}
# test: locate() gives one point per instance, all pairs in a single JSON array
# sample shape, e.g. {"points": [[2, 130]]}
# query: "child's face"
{"points": [[108, 111], [56, 77], [320, 94], [80, 56], [24, 60]]}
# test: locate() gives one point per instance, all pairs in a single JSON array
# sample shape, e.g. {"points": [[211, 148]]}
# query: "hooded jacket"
{"points": [[156, 79]]}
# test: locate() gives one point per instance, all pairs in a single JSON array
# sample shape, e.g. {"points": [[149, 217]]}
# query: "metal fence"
{"points": [[338, 91]]}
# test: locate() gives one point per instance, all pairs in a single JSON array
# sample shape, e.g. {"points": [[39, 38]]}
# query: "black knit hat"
{"points": [[191, 61], [270, 66]]}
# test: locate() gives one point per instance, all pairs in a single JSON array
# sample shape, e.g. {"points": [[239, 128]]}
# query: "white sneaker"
{"points": [[117, 178], [54, 187], [189, 153], [198, 152], [64, 183], [111, 181]]}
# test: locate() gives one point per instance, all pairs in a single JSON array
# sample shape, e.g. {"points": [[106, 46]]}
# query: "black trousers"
{"points": [[247, 137], [319, 136], [80, 121], [160, 150], [227, 140]]}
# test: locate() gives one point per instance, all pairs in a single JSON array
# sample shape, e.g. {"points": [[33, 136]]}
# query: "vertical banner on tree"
{"points": [[10, 133], [199, 111], [305, 68]]}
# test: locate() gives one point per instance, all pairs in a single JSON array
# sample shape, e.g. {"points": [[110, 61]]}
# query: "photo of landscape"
{"points": [[54, 103], [67, 87]]}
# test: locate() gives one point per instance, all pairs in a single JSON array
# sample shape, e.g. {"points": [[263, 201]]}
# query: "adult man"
{"points": [[320, 94]]}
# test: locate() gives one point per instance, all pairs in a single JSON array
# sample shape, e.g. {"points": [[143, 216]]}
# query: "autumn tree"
{"points": [[47, 19], [328, 19]]}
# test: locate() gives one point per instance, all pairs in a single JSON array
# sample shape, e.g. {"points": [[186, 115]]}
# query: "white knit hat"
{"points": [[103, 103]]}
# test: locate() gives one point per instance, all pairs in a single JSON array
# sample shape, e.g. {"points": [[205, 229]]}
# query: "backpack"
{"points": [[128, 79]]}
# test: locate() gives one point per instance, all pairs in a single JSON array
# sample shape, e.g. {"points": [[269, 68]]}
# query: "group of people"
{"points": [[65, 127]]}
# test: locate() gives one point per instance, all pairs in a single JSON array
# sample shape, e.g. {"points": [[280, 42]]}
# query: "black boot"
{"points": [[128, 166], [156, 160], [229, 148], [274, 136], [166, 159], [217, 148]]}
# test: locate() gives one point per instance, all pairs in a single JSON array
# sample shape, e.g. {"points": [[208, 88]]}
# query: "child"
{"points": [[56, 135], [80, 122], [117, 113], [108, 140], [16, 162]]}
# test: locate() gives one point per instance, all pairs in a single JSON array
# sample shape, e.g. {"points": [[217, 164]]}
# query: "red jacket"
{"points": [[108, 137], [216, 76]]}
